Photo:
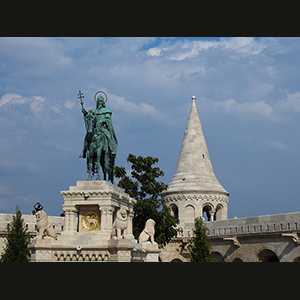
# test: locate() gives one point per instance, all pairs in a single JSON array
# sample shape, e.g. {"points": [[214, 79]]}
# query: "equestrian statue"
{"points": [[100, 142]]}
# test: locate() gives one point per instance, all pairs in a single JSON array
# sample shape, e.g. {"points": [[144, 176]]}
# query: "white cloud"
{"points": [[277, 145], [69, 104], [192, 49], [260, 89], [271, 71], [277, 111], [238, 46], [167, 70], [32, 56], [11, 98], [248, 109], [142, 109], [36, 106], [35, 102], [290, 103], [244, 45], [56, 109], [39, 98], [156, 51]]}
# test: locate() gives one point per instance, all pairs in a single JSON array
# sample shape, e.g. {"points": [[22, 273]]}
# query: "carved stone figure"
{"points": [[147, 235], [42, 225], [119, 225]]}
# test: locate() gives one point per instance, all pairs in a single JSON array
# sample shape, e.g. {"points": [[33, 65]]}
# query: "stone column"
{"points": [[106, 218], [129, 234], [70, 219], [103, 218], [109, 218]]}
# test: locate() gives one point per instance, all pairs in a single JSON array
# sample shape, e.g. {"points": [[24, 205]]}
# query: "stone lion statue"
{"points": [[147, 235], [119, 225], [42, 225]]}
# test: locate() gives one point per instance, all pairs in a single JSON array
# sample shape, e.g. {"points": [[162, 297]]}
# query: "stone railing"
{"points": [[261, 224], [30, 221]]}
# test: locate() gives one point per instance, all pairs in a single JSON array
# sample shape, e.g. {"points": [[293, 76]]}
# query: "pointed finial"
{"points": [[193, 98]]}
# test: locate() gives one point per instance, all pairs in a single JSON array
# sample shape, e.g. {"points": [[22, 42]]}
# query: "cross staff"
{"points": [[80, 96]]}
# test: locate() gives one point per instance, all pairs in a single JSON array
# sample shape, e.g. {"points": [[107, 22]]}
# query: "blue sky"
{"points": [[248, 99]]}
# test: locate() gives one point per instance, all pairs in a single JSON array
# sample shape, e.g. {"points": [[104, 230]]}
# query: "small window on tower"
{"points": [[174, 210], [203, 156]]}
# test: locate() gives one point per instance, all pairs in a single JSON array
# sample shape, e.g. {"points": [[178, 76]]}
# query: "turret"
{"points": [[194, 188]]}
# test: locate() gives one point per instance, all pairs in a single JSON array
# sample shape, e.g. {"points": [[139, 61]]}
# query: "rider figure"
{"points": [[103, 131]]}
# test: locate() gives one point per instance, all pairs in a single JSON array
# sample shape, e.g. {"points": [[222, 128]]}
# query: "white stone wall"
{"points": [[251, 239], [30, 220], [260, 224], [190, 206]]}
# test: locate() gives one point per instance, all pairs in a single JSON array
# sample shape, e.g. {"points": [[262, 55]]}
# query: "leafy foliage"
{"points": [[141, 184], [17, 240], [201, 247]]}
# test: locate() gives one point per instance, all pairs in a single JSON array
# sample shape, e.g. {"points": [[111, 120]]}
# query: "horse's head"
{"points": [[89, 118]]}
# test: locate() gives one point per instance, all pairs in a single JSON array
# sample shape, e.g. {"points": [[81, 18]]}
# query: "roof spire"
{"points": [[194, 170]]}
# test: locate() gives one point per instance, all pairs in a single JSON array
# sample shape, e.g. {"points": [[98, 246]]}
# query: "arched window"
{"points": [[174, 210], [218, 214], [189, 215], [207, 213]]}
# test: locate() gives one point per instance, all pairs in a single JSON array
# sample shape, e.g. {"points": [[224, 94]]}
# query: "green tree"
{"points": [[200, 247], [141, 184], [17, 240]]}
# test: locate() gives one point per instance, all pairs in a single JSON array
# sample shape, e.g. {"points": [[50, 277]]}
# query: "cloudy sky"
{"points": [[247, 94]]}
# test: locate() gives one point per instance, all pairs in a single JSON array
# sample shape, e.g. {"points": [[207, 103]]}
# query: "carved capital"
{"points": [[106, 209], [70, 209]]}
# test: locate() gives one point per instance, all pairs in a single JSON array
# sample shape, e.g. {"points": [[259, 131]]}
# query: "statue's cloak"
{"points": [[103, 117]]}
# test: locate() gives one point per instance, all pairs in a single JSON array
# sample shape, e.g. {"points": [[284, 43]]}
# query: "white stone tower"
{"points": [[194, 188]]}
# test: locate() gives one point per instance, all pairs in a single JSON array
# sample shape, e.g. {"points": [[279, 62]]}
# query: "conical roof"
{"points": [[194, 172]]}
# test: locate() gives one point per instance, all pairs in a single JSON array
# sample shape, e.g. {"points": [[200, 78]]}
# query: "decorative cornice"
{"points": [[95, 194], [85, 193], [197, 197]]}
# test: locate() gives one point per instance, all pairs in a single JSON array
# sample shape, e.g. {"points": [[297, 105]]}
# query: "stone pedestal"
{"points": [[152, 252], [120, 250], [96, 203], [88, 236]]}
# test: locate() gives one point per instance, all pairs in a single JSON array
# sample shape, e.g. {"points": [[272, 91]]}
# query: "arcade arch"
{"points": [[218, 257], [237, 259], [267, 255]]}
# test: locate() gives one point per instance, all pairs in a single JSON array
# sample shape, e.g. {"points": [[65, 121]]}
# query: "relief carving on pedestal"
{"points": [[90, 221]]}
